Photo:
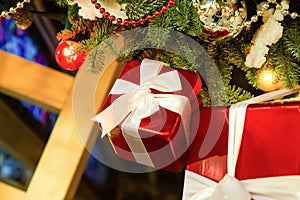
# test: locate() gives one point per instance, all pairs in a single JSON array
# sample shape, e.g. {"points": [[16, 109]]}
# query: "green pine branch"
{"points": [[99, 32], [236, 94], [157, 37], [94, 61], [285, 66], [283, 57], [138, 9], [233, 94], [181, 17], [251, 75], [77, 21], [62, 3], [291, 41]]}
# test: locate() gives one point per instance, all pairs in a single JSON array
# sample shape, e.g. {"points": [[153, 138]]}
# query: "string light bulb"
{"points": [[268, 80]]}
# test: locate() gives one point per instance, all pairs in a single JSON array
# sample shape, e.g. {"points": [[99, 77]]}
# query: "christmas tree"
{"points": [[254, 44]]}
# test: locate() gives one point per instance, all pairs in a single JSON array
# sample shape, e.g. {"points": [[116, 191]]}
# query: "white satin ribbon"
{"points": [[197, 187], [137, 102]]}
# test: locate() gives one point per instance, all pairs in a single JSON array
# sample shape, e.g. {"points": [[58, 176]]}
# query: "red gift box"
{"points": [[269, 147], [162, 134]]}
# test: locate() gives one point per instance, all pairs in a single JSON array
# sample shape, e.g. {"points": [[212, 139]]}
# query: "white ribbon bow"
{"points": [[137, 102], [198, 187]]}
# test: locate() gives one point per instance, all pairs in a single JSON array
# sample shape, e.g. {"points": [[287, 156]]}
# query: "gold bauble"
{"points": [[268, 80]]}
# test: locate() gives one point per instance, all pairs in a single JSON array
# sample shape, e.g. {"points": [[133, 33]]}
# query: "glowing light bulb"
{"points": [[268, 81], [268, 76]]}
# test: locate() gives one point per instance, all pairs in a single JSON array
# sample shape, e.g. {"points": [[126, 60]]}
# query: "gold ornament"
{"points": [[221, 19], [268, 80], [13, 10], [224, 19]]}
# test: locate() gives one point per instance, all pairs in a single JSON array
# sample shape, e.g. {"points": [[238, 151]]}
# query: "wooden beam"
{"points": [[11, 193], [64, 158], [33, 82], [18, 139], [22, 143], [62, 162]]}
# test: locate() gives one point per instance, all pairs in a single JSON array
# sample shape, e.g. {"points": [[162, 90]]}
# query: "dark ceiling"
{"points": [[48, 20]]}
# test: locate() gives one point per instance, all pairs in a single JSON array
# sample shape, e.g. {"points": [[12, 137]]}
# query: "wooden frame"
{"points": [[61, 165]]}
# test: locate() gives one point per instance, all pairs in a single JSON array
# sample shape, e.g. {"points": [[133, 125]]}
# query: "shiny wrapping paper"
{"points": [[270, 143], [159, 130]]}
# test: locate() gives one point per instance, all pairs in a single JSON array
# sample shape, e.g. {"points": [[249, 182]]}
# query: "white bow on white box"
{"points": [[197, 187], [137, 102]]}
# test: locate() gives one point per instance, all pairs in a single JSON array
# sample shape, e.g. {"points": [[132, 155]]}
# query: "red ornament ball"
{"points": [[67, 57]]}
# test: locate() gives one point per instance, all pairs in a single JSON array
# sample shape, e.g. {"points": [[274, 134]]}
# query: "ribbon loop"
{"points": [[149, 69], [166, 82], [230, 188]]}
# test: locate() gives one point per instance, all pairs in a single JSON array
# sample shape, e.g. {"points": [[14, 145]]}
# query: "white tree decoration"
{"points": [[269, 33], [88, 11]]}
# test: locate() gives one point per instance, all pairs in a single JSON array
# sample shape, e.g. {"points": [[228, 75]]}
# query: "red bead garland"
{"points": [[133, 23], [157, 14], [127, 22], [171, 2], [106, 15], [142, 21], [119, 21], [164, 9], [112, 18], [97, 5], [149, 18], [102, 10]]}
